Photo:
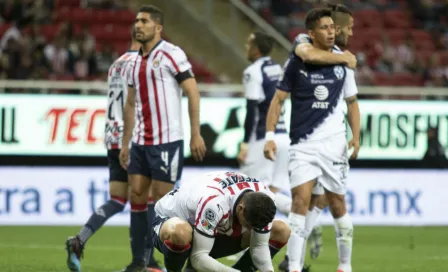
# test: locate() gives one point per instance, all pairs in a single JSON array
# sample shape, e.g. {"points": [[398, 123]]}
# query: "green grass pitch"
{"points": [[393, 249]]}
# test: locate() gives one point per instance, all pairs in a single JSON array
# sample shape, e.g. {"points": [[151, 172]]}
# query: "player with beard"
{"points": [[153, 119]]}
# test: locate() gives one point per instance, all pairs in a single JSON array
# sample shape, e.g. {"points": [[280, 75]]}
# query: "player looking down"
{"points": [[217, 215]]}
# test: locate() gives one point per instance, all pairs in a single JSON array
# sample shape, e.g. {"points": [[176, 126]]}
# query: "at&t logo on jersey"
{"points": [[321, 93]]}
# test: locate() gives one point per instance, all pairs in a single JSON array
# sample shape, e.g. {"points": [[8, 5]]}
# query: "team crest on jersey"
{"points": [[156, 63], [338, 72], [209, 221], [210, 215]]}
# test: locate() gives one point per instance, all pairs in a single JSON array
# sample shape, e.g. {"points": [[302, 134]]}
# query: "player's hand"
{"points": [[355, 145], [350, 59], [197, 147], [124, 157], [270, 150], [241, 158]]}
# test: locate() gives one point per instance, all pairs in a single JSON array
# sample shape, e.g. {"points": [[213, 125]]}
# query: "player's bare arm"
{"points": [[259, 246], [200, 258], [353, 117], [275, 110], [310, 54], [129, 112], [197, 144]]}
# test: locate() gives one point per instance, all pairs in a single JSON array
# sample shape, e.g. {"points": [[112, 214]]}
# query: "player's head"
{"points": [[320, 27], [343, 21], [258, 45], [148, 23], [255, 210]]}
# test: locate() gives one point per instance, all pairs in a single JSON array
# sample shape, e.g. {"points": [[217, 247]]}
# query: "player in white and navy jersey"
{"points": [[216, 215], [318, 141], [153, 120], [118, 177], [260, 79]]}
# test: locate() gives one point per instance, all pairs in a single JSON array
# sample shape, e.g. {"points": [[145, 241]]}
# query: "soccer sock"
{"points": [[296, 241], [310, 223], [283, 203], [139, 230], [175, 256], [100, 216], [245, 263], [149, 252], [344, 240]]}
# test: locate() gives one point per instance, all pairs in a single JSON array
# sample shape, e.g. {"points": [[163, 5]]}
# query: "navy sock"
{"points": [[149, 247], [139, 230], [175, 256], [246, 264], [100, 216]]}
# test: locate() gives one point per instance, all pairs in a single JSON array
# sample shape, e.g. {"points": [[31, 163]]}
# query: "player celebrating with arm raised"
{"points": [[153, 113], [118, 177], [318, 141], [217, 215]]}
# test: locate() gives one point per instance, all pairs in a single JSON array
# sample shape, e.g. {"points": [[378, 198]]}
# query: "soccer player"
{"points": [[303, 48], [260, 79], [318, 143], [216, 215], [159, 73], [118, 177]]}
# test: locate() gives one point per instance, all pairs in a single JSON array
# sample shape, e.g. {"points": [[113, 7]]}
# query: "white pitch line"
{"points": [[61, 247]]}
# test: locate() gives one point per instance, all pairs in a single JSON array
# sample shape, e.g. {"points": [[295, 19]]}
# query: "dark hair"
{"points": [[259, 209], [263, 42], [339, 8], [155, 13], [313, 16]]}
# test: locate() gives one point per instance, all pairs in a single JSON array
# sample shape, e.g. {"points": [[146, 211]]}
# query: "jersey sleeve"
{"points": [[208, 215], [253, 80], [350, 88], [301, 38], [287, 80], [130, 67], [178, 61]]}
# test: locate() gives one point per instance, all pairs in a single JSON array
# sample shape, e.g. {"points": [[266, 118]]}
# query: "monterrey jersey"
{"points": [[317, 94], [117, 91], [260, 79], [158, 114], [209, 202]]}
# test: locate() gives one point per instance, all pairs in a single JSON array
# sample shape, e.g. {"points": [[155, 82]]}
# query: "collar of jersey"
{"points": [[140, 51]]}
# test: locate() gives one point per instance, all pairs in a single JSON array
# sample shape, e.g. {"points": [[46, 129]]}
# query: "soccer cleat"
{"points": [[315, 242], [153, 266], [283, 266], [74, 253], [135, 267]]}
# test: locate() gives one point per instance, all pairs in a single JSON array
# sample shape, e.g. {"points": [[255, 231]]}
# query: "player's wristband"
{"points": [[269, 136]]}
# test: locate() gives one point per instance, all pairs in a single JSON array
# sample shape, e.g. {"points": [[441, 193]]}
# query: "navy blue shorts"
{"points": [[162, 162], [224, 245], [116, 172]]}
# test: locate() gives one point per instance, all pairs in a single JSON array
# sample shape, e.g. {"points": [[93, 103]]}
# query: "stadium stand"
{"points": [[67, 39], [398, 42]]}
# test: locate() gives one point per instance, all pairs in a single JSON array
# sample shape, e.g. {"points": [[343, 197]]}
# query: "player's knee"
{"points": [[321, 202], [179, 232], [280, 231], [300, 204], [337, 208]]}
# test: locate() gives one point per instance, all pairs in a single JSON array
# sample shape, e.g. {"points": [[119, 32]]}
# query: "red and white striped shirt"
{"points": [[158, 109], [117, 91]]}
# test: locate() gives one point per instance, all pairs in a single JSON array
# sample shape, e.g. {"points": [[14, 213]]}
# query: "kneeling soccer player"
{"points": [[216, 215]]}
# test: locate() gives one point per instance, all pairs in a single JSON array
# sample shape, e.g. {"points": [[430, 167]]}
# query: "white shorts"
{"points": [[271, 173], [324, 160]]}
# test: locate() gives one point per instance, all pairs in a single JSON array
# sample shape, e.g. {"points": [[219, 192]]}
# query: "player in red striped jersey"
{"points": [[118, 177], [216, 215], [153, 113]]}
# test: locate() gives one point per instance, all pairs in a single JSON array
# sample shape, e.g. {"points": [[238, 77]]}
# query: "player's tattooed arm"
{"points": [[275, 109], [310, 54], [353, 117]]}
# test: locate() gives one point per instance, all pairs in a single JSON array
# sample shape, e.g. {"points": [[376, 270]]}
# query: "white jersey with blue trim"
{"points": [[260, 79], [317, 108]]}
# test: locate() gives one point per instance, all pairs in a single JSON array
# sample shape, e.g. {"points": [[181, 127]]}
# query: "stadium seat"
{"points": [[383, 79], [68, 3], [369, 18], [397, 19], [126, 17], [396, 36], [444, 58], [406, 79]]}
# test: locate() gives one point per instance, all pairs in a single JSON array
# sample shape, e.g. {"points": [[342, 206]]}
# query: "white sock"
{"points": [[344, 240], [296, 241], [310, 223], [283, 203]]}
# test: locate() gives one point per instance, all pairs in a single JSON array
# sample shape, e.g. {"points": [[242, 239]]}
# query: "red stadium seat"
{"points": [[369, 18], [396, 36], [294, 32], [126, 17], [405, 79], [383, 79], [397, 19]]}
